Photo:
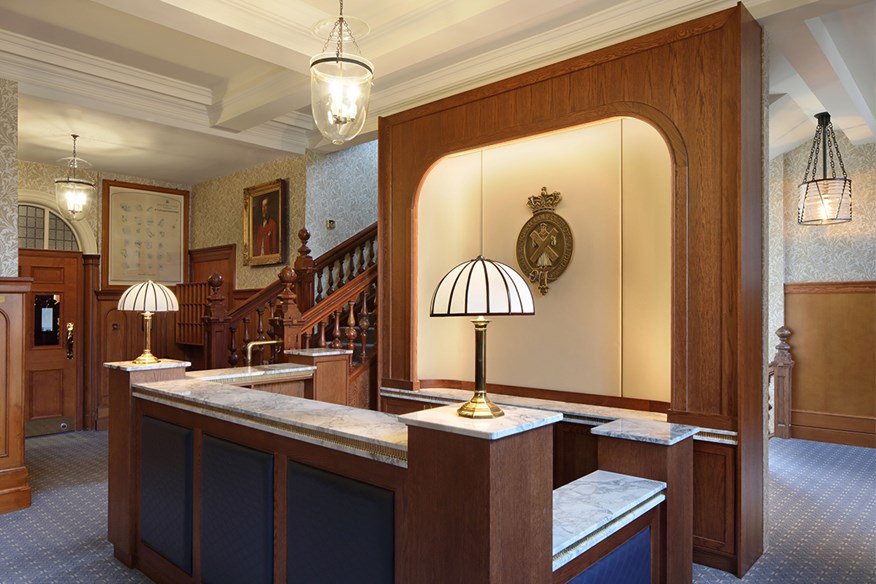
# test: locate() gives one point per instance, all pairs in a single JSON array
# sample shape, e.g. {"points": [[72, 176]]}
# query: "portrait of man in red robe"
{"points": [[266, 239]]}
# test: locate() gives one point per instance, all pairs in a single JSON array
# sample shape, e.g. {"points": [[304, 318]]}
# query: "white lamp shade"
{"points": [[340, 87], [825, 201], [148, 297], [482, 287]]}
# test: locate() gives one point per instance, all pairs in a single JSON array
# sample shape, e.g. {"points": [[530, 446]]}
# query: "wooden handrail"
{"points": [[345, 247], [324, 309], [260, 298]]}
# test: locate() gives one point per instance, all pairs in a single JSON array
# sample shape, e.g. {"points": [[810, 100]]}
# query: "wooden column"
{"points": [[661, 452], [331, 378], [482, 493], [782, 366], [14, 486], [121, 480]]}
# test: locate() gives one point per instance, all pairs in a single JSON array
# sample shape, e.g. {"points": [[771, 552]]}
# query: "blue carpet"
{"points": [[822, 514]]}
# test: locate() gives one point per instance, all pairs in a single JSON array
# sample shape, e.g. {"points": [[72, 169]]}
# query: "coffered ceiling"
{"points": [[189, 90]]}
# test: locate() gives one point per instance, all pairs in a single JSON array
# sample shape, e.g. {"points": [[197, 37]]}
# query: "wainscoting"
{"points": [[833, 343]]}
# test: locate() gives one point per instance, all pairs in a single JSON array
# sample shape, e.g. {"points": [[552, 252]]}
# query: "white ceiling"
{"points": [[189, 90]]}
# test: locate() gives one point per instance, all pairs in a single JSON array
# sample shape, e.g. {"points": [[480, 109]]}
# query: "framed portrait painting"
{"points": [[264, 224]]}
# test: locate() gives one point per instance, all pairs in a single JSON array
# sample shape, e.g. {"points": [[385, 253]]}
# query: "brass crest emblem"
{"points": [[544, 246]]}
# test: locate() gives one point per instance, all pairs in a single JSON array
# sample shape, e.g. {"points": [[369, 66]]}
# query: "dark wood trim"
{"points": [[346, 246], [91, 358], [611, 401], [15, 491], [866, 287], [717, 560], [861, 424], [834, 436]]}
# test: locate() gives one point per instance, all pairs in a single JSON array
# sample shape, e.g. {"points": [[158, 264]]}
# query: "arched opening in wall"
{"points": [[39, 217], [604, 326]]}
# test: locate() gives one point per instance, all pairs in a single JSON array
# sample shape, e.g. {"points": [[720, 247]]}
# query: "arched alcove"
{"points": [[82, 230], [604, 327]]}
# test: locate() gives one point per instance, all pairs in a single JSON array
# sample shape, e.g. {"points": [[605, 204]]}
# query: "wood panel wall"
{"points": [[699, 84], [833, 343], [14, 485]]}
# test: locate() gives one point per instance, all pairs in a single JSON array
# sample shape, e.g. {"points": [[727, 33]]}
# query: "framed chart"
{"points": [[145, 234]]}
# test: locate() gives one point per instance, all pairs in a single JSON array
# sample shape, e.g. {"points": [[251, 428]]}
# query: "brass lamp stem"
{"points": [[480, 406], [147, 358]]}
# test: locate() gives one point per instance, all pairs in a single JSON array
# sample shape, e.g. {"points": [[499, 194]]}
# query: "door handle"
{"points": [[69, 340]]}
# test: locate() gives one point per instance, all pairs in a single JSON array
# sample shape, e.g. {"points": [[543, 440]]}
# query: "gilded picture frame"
{"points": [[264, 224]]}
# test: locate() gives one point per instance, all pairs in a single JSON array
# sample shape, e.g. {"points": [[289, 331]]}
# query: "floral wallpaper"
{"points": [[216, 212], [776, 249], [36, 176], [832, 253], [8, 179], [349, 176]]}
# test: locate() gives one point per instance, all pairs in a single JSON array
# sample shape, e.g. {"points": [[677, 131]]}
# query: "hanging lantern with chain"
{"points": [[825, 200]]}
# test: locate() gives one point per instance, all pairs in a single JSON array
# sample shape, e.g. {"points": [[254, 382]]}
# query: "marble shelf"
{"points": [[646, 431]]}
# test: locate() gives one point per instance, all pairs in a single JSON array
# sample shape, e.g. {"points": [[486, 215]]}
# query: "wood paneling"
{"points": [[221, 259], [14, 485], [714, 482], [833, 344], [699, 84]]}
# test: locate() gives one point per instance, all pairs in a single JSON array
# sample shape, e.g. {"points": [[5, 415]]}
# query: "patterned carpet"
{"points": [[822, 517]]}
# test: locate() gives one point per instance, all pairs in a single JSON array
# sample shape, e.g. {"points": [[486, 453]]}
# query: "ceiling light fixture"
{"points": [[71, 193], [825, 200], [340, 85]]}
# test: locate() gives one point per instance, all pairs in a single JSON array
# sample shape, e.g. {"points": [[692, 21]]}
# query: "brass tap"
{"points": [[252, 344]]}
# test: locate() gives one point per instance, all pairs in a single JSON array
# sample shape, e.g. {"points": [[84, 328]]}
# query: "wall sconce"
{"points": [[71, 193], [340, 86], [148, 298], [825, 200], [481, 287]]}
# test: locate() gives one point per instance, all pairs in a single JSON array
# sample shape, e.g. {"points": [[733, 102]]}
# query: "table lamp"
{"points": [[148, 298], [479, 288]]}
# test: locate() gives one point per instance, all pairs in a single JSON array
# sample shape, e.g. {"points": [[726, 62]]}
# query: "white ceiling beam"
{"points": [[858, 85], [261, 101]]}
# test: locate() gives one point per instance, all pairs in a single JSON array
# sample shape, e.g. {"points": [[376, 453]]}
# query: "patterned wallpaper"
{"points": [[217, 214], [8, 179], [832, 253], [776, 260], [40, 177], [349, 175]]}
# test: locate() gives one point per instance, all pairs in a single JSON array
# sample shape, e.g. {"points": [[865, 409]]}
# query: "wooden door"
{"points": [[53, 341]]}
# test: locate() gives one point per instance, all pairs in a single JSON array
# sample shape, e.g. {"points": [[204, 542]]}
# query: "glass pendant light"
{"points": [[340, 85], [73, 194], [825, 200]]}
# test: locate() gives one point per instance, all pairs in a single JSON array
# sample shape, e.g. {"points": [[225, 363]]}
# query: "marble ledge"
{"points": [[646, 431], [131, 366], [361, 432], [571, 411], [253, 373], [591, 508], [515, 421], [318, 352]]}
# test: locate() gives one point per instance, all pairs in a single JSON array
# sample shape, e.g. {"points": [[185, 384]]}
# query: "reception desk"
{"points": [[232, 484]]}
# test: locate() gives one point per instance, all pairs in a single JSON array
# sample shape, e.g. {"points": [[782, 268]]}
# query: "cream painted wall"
{"points": [[574, 341]]}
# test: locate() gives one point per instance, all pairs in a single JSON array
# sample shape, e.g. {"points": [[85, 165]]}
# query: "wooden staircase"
{"points": [[327, 302]]}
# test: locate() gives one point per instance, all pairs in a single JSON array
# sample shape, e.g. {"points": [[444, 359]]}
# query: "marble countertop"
{"points": [[326, 352], [254, 374], [361, 432], [571, 411], [515, 421], [131, 366], [591, 508], [646, 431]]}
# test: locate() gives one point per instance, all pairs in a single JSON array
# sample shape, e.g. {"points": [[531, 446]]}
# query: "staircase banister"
{"points": [[257, 300], [345, 247], [353, 288]]}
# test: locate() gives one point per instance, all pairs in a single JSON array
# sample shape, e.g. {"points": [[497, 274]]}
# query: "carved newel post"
{"points": [[305, 268], [782, 366], [215, 322], [287, 312]]}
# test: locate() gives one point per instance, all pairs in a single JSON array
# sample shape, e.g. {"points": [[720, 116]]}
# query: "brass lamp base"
{"points": [[146, 358], [480, 407]]}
